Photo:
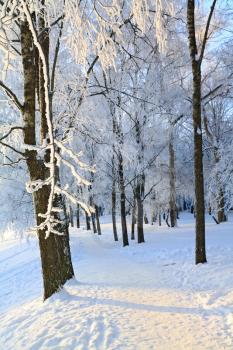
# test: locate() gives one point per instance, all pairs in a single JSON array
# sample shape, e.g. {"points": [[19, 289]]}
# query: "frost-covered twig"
{"points": [[52, 163], [79, 178], [73, 199], [74, 156]]}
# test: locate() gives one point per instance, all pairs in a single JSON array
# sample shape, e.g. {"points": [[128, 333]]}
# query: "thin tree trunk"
{"points": [[88, 222], [160, 221], [78, 216], [140, 182], [93, 215], [146, 221], [221, 204], [122, 201], [114, 226], [133, 220], [93, 222], [172, 182], [71, 216], [114, 128], [139, 201], [97, 219]]}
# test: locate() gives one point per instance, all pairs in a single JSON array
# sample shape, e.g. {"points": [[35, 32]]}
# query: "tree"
{"points": [[43, 169], [196, 59]]}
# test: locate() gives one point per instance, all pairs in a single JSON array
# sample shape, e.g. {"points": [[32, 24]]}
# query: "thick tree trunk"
{"points": [[55, 253], [172, 182], [62, 241], [197, 128]]}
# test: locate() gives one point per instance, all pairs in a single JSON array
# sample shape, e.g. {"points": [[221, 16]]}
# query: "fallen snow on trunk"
{"points": [[147, 296]]}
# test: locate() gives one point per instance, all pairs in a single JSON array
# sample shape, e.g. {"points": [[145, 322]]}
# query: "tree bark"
{"points": [[200, 256], [133, 220], [78, 216], [221, 204], [93, 223], [71, 216], [88, 222], [93, 218], [114, 226], [139, 201], [56, 262], [146, 221], [140, 182], [172, 182], [114, 129], [160, 221], [97, 219], [122, 201]]}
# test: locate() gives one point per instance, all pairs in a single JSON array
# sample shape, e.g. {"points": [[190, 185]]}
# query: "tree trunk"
{"points": [[133, 222], [139, 213], [146, 221], [198, 168], [62, 241], [172, 182], [221, 204], [114, 128], [78, 216], [114, 226], [97, 219], [122, 199], [55, 271], [140, 182], [71, 216], [160, 221], [197, 127], [88, 222], [93, 214], [93, 222]]}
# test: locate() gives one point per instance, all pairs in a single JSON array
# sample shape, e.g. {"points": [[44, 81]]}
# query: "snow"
{"points": [[141, 297]]}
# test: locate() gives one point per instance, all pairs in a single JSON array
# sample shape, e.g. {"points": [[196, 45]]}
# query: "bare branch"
{"points": [[10, 131], [206, 32], [12, 96], [12, 148]]}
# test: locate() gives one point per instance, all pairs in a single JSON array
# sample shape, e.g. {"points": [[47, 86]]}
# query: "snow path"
{"points": [[148, 296]]}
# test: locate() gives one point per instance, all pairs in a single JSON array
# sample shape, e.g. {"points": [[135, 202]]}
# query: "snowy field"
{"points": [[148, 296]]}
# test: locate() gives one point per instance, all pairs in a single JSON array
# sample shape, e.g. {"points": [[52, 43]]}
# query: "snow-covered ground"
{"points": [[141, 297]]}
